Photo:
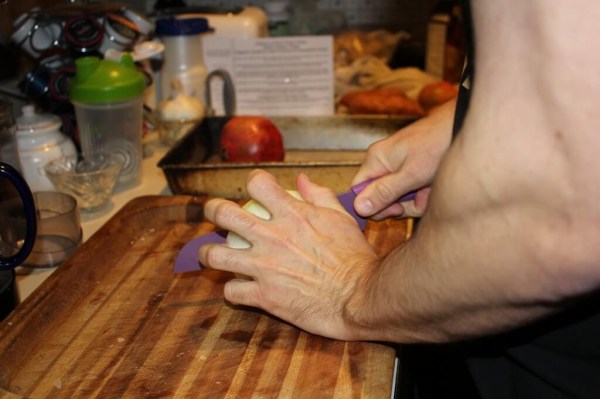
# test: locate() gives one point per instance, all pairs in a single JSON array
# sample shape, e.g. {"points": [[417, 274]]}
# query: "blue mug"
{"points": [[18, 224], [18, 221]]}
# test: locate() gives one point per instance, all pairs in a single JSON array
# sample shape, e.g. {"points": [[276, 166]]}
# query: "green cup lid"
{"points": [[101, 81]]}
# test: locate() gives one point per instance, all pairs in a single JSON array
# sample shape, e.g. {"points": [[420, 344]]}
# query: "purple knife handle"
{"points": [[361, 186]]}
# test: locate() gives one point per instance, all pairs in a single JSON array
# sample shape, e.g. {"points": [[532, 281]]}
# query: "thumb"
{"points": [[379, 195]]}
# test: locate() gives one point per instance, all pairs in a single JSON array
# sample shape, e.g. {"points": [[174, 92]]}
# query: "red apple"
{"points": [[251, 139]]}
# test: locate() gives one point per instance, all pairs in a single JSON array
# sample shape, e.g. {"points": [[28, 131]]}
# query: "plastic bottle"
{"points": [[182, 58], [445, 51], [108, 100]]}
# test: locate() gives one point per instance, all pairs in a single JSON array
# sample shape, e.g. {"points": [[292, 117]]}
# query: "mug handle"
{"points": [[13, 176]]}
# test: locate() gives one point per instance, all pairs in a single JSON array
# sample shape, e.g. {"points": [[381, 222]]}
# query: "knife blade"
{"points": [[187, 258]]}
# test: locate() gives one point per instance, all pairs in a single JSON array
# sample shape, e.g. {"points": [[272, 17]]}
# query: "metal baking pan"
{"points": [[328, 149]]}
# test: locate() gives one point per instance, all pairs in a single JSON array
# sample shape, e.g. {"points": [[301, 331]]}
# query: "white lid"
{"points": [[30, 121], [143, 24], [141, 51]]}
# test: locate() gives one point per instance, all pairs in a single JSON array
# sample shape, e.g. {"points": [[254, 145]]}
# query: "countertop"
{"points": [[153, 183]]}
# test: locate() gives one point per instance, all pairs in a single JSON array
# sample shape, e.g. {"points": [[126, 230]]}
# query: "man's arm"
{"points": [[512, 231]]}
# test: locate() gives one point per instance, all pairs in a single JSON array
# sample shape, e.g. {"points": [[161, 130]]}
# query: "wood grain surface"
{"points": [[114, 321]]}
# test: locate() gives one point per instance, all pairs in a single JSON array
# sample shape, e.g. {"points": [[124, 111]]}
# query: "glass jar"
{"points": [[40, 141]]}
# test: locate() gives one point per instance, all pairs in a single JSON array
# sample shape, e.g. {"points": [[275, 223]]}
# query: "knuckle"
{"points": [[415, 175], [220, 257], [376, 147], [211, 255], [222, 212], [239, 294], [252, 176], [384, 193], [258, 177], [261, 183], [230, 214], [231, 294], [229, 259], [410, 210]]}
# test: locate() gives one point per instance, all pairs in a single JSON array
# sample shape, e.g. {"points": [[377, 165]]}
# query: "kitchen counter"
{"points": [[153, 183]]}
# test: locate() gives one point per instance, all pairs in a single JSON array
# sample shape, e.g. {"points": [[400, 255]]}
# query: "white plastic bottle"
{"points": [[182, 58]]}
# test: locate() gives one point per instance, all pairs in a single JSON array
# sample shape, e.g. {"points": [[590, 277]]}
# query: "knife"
{"points": [[187, 259]]}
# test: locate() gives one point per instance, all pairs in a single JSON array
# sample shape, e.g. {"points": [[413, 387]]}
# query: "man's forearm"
{"points": [[513, 224], [477, 265]]}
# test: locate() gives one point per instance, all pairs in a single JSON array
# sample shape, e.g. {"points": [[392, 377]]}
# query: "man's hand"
{"points": [[405, 161], [304, 262]]}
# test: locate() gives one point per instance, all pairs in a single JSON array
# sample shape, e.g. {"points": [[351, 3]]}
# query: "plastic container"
{"points": [[39, 141], [59, 230], [108, 100], [182, 58], [90, 182]]}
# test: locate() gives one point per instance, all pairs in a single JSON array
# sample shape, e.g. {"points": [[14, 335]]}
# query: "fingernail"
{"points": [[364, 207]]}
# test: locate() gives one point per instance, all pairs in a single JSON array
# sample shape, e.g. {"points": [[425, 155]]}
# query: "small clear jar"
{"points": [[39, 141]]}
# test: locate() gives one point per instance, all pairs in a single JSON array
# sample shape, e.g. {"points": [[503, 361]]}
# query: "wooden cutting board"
{"points": [[114, 321]]}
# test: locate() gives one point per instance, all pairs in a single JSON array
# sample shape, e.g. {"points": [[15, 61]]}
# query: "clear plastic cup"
{"points": [[113, 128], [108, 97], [58, 229], [91, 182]]}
